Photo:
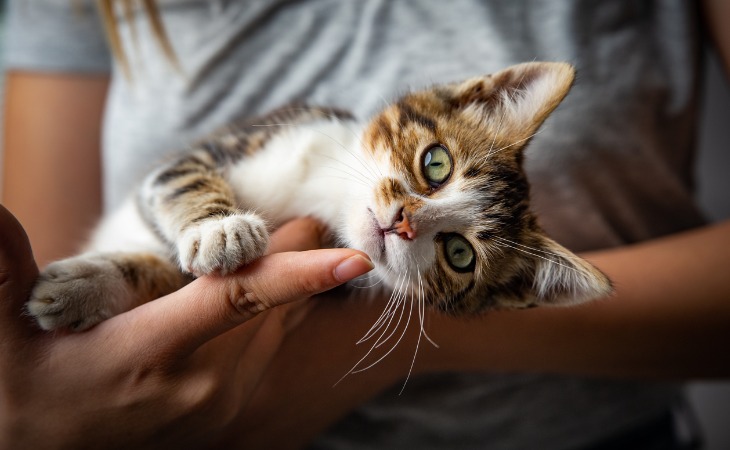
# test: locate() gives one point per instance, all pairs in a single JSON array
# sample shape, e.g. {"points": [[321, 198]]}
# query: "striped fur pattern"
{"points": [[432, 189]]}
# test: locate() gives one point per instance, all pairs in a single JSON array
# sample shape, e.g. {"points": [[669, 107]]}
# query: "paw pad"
{"points": [[222, 245]]}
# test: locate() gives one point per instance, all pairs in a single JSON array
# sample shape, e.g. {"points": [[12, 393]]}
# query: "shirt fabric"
{"points": [[611, 166]]}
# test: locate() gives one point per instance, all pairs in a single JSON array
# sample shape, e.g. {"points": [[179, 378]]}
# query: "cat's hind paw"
{"points": [[77, 293], [222, 245]]}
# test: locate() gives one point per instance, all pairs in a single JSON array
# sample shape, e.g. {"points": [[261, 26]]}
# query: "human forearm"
{"points": [[669, 318], [51, 177]]}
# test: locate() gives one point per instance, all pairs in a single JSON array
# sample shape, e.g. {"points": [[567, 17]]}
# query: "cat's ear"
{"points": [[562, 278], [515, 101]]}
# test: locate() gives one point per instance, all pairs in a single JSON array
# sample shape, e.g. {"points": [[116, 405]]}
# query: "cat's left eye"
{"points": [[436, 165], [459, 253]]}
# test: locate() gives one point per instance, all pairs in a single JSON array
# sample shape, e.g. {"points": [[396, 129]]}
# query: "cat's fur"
{"points": [[211, 210]]}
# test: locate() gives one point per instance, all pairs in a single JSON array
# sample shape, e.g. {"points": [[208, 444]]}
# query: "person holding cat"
{"points": [[649, 329]]}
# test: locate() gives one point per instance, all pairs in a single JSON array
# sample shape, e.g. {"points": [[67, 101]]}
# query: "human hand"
{"points": [[175, 371]]}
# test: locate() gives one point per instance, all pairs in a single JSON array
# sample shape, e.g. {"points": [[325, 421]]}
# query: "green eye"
{"points": [[459, 253], [436, 165]]}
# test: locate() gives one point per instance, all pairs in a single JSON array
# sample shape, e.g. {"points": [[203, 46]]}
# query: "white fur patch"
{"points": [[125, 231], [312, 170], [222, 245]]}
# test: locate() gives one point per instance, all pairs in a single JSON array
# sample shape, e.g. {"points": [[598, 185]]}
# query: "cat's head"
{"points": [[449, 217]]}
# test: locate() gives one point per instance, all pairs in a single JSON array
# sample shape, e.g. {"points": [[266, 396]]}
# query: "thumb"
{"points": [[212, 305], [18, 271]]}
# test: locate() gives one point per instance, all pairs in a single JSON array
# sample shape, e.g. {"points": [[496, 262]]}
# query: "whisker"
{"points": [[422, 299], [263, 125], [386, 103], [355, 134], [354, 369], [373, 176], [401, 302], [380, 280], [350, 152], [536, 255], [517, 142], [358, 136], [398, 301], [421, 318], [500, 238], [385, 317], [494, 139], [345, 178], [389, 305], [353, 177], [418, 341], [405, 328], [370, 177], [368, 277], [363, 177]]}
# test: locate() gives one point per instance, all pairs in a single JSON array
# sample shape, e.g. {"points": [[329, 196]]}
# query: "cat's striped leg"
{"points": [[79, 292], [193, 208]]}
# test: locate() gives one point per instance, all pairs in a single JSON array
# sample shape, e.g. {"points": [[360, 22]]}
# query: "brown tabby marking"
{"points": [[487, 159], [149, 274], [470, 226]]}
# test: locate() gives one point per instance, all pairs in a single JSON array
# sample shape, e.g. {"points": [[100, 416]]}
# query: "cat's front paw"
{"points": [[222, 245], [77, 293]]}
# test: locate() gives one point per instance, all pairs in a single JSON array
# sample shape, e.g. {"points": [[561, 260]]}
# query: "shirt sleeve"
{"points": [[55, 36]]}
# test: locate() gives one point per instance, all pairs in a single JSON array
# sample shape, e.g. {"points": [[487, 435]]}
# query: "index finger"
{"points": [[212, 305]]}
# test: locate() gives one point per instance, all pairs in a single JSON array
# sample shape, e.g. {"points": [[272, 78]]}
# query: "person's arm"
{"points": [[51, 169], [669, 319]]}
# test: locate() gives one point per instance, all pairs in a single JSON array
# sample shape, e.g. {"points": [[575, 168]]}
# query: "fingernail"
{"points": [[352, 267]]}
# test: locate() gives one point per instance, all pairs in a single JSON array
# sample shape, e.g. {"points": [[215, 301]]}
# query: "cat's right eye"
{"points": [[436, 165], [459, 253]]}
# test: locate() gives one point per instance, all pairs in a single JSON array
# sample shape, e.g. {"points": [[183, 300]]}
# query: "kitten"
{"points": [[431, 189]]}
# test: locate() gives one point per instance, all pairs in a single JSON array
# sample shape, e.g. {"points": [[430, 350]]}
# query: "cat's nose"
{"points": [[402, 226]]}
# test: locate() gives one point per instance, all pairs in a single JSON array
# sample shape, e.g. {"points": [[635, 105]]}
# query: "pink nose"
{"points": [[403, 227]]}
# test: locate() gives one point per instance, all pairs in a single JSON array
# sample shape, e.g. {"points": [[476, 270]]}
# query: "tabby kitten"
{"points": [[431, 189]]}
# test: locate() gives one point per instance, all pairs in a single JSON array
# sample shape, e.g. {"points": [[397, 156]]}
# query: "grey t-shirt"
{"points": [[612, 166]]}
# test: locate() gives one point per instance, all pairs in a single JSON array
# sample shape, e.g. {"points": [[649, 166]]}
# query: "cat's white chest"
{"points": [[303, 171]]}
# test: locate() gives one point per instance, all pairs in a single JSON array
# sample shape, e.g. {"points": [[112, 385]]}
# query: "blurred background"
{"points": [[711, 400]]}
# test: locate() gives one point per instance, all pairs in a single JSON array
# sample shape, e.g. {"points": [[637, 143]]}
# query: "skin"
{"points": [[54, 187], [153, 377], [269, 383]]}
